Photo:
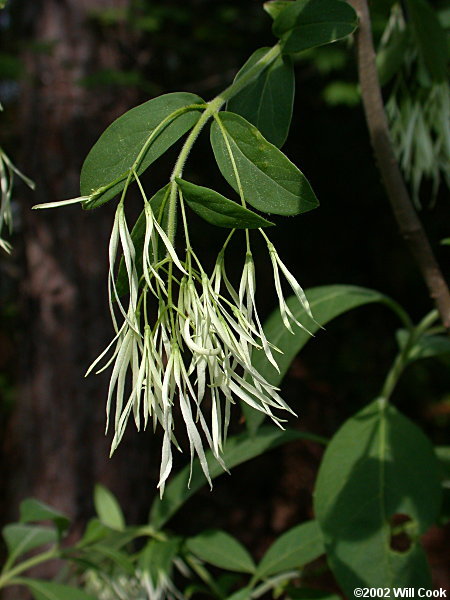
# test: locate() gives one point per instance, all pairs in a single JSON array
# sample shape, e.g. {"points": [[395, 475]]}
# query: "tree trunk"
{"points": [[55, 445]]}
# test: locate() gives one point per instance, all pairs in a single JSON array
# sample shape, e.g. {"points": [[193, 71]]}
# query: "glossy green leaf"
{"points": [[326, 302], [378, 469], [430, 38], [267, 102], [295, 548], [268, 179], [160, 207], [21, 538], [237, 450], [35, 510], [309, 23], [108, 509], [218, 210], [136, 134], [220, 549], [157, 557], [48, 590]]}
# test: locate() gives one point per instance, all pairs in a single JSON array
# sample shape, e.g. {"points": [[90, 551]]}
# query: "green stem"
{"points": [[402, 359], [212, 108], [27, 564]]}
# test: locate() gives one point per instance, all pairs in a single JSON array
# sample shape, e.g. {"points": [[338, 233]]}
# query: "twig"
{"points": [[408, 222]]}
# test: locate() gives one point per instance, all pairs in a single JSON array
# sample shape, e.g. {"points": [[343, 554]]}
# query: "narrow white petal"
{"points": [[61, 202]]}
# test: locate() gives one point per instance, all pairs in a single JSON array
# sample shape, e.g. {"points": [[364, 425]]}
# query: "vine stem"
{"points": [[408, 222]]}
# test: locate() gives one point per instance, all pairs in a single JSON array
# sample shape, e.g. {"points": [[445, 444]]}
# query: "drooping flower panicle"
{"points": [[194, 356]]}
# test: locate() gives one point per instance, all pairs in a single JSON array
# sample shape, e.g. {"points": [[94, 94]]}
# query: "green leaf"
{"points": [[160, 208], [244, 594], [237, 450], [267, 103], [157, 557], [295, 548], [35, 510], [20, 538], [220, 549], [268, 179], [47, 590], [378, 470], [327, 303], [274, 7], [108, 509], [309, 23], [136, 134], [430, 37], [218, 210]]}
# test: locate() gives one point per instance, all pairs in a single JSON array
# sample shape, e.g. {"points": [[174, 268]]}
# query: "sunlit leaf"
{"points": [[109, 162], [309, 23], [268, 180], [218, 210]]}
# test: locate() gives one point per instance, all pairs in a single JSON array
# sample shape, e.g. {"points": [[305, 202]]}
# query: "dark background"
{"points": [[67, 69]]}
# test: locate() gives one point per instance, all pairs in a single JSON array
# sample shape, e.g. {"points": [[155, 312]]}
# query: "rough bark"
{"points": [[55, 445]]}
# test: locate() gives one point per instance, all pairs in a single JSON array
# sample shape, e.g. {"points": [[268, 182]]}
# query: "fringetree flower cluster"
{"points": [[183, 337], [197, 346]]}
